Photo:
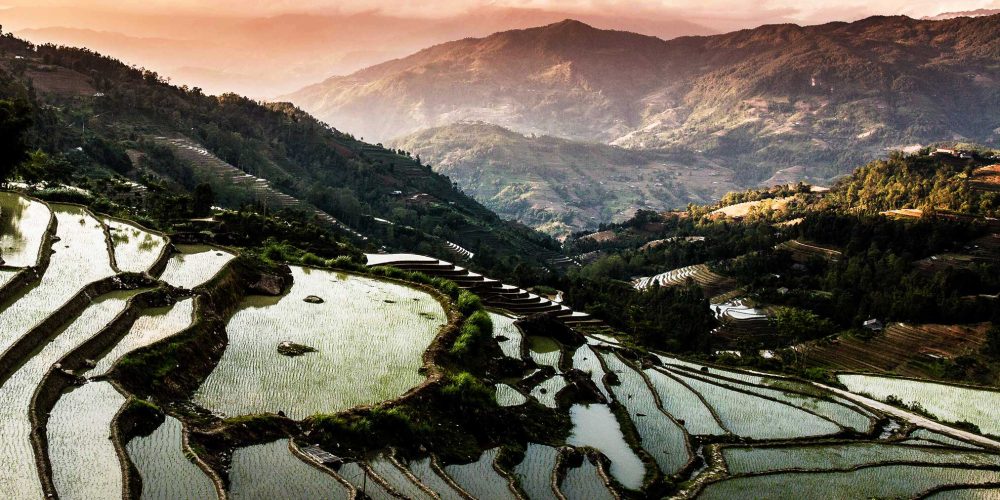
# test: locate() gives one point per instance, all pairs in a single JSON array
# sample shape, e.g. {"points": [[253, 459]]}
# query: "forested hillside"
{"points": [[93, 116]]}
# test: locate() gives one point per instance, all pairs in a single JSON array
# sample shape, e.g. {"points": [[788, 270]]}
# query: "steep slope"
{"points": [[566, 79], [384, 195], [560, 186], [825, 97]]}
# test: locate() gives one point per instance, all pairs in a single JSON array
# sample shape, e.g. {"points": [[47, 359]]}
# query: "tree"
{"points": [[800, 324], [993, 342], [15, 119], [204, 197], [40, 166]]}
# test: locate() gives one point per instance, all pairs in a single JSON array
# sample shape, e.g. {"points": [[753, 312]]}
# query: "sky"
{"points": [[802, 11]]}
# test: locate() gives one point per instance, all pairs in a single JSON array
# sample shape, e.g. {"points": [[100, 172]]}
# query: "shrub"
{"points": [[465, 389], [311, 259], [468, 303], [475, 333]]}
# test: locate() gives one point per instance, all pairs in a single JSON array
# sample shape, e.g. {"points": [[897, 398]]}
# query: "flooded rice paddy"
{"points": [[889, 481], [387, 470], [166, 472], [845, 456], [136, 249], [369, 337], [509, 396], [949, 403], [584, 483], [193, 265], [596, 426], [154, 325], [79, 444], [660, 435], [510, 343], [17, 456], [480, 479], [81, 257], [535, 471], [272, 471], [23, 223]]}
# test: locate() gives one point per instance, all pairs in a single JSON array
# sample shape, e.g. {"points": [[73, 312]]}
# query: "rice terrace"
{"points": [[174, 351], [491, 250]]}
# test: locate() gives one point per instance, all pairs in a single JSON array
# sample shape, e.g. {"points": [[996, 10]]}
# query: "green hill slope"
{"points": [[92, 112]]}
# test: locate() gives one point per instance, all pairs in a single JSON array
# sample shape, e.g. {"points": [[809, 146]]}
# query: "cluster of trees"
{"points": [[915, 181], [15, 120], [676, 319], [723, 240]]}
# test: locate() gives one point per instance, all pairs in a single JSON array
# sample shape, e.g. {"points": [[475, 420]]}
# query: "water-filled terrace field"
{"points": [[369, 337], [193, 265], [23, 223], [165, 471], [950, 403], [136, 248]]}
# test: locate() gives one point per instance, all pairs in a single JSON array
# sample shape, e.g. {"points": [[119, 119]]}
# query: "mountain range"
{"points": [[264, 55], [812, 100]]}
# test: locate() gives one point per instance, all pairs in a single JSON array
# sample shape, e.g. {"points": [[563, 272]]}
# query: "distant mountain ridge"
{"points": [[965, 13], [210, 51], [824, 97]]}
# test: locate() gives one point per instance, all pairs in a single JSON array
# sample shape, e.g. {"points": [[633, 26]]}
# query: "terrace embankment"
{"points": [[22, 349], [64, 375], [171, 369], [913, 350]]}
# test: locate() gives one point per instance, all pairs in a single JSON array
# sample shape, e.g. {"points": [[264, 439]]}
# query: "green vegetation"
{"points": [[475, 334], [849, 264], [15, 119], [919, 181], [799, 324], [675, 319]]}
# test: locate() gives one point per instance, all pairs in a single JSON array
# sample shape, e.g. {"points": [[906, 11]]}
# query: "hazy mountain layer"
{"points": [[823, 97], [560, 186]]}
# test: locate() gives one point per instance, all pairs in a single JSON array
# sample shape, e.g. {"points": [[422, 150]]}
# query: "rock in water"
{"points": [[292, 349], [312, 299]]}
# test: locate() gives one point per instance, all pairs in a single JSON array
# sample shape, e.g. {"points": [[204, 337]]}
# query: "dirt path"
{"points": [[913, 418]]}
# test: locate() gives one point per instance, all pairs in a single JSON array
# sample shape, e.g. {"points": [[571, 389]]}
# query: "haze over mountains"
{"points": [[266, 55], [595, 123], [775, 103]]}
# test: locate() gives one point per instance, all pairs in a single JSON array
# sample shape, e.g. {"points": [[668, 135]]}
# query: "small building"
{"points": [[873, 325]]}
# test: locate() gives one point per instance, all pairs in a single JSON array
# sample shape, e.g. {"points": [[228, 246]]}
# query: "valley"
{"points": [[559, 186], [514, 116], [211, 296]]}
